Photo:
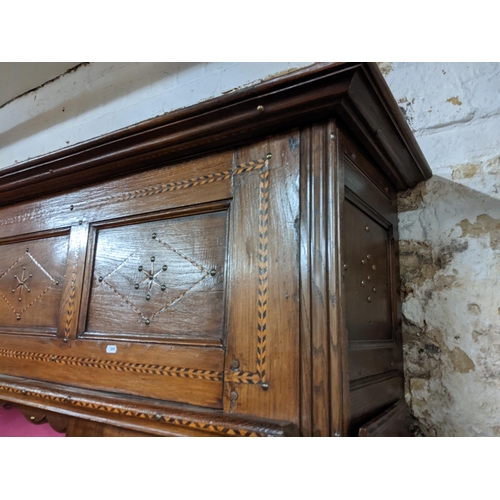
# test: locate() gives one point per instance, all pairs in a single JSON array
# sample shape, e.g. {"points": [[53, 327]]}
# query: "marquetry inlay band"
{"points": [[128, 412], [122, 366]]}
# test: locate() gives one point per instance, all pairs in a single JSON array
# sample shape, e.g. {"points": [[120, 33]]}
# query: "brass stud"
{"points": [[368, 256], [363, 261], [80, 222], [367, 229], [136, 286], [140, 268], [32, 418], [158, 416], [29, 289], [148, 296], [163, 288], [152, 259], [269, 156], [150, 277], [24, 391], [65, 340], [24, 268], [154, 236], [31, 276], [235, 365], [52, 358], [18, 317], [165, 267], [362, 283], [213, 272], [233, 396], [71, 207], [27, 250], [369, 278], [147, 322], [100, 278], [374, 267], [345, 267], [369, 299], [332, 136], [265, 387], [57, 282], [374, 290], [19, 299], [260, 109], [13, 291]]}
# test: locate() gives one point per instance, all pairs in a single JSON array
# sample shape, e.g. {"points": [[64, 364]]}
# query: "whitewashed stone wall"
{"points": [[450, 248]]}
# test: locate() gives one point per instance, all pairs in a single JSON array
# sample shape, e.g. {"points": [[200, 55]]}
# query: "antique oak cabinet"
{"points": [[229, 269]]}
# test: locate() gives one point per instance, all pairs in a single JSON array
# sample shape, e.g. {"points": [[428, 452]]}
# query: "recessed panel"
{"points": [[367, 276], [31, 284], [162, 279]]}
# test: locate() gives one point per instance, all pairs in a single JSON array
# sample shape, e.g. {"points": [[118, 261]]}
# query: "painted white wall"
{"points": [[99, 98], [450, 248]]}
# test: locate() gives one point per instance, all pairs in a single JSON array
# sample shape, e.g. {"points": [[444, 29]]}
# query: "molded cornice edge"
{"points": [[354, 93]]}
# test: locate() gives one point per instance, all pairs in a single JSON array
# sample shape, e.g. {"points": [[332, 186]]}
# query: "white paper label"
{"points": [[111, 349]]}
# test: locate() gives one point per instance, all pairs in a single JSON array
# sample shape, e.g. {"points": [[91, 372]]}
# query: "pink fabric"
{"points": [[14, 424]]}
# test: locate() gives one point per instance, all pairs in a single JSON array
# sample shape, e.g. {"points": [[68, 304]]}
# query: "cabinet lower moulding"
{"points": [[140, 414]]}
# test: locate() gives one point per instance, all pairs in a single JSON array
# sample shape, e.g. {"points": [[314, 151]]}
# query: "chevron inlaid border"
{"points": [[149, 415], [122, 366]]}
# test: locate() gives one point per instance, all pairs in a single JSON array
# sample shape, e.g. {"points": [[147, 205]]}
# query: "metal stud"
{"points": [[369, 278], [163, 288], [57, 282], [369, 299], [100, 278], [147, 322], [233, 396], [19, 299], [368, 256], [27, 250], [235, 365], [374, 290], [332, 136], [374, 267], [52, 358], [260, 109], [32, 418], [269, 156], [136, 286], [148, 296], [31, 276], [362, 283], [363, 261], [150, 277], [13, 291], [158, 416], [24, 391], [140, 268], [265, 387], [29, 290], [213, 272], [367, 229], [65, 340], [71, 207], [152, 259], [165, 267], [154, 236], [345, 267], [18, 317]]}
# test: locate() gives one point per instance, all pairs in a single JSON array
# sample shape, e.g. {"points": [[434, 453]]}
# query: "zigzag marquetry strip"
{"points": [[263, 273], [149, 415], [71, 302], [175, 185], [122, 366]]}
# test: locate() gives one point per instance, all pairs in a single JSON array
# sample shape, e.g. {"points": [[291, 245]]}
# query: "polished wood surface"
{"points": [[236, 292]]}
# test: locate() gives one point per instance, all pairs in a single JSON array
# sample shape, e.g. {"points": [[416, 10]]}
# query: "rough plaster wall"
{"points": [[450, 246], [99, 98]]}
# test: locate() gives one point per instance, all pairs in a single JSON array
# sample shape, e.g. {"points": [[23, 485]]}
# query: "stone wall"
{"points": [[450, 246]]}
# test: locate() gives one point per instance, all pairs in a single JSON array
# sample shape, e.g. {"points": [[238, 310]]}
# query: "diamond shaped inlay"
{"points": [[27, 281], [154, 278]]}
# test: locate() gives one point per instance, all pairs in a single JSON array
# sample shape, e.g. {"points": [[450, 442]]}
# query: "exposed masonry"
{"points": [[450, 247]]}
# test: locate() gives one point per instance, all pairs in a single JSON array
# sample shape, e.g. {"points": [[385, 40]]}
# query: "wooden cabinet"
{"points": [[230, 269]]}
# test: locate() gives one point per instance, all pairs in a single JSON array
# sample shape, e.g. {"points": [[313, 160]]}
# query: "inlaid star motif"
{"points": [[151, 278], [21, 283]]}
